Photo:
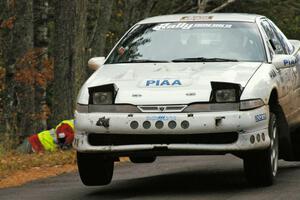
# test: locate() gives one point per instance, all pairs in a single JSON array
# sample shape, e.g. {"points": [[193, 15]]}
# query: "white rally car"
{"points": [[192, 85]]}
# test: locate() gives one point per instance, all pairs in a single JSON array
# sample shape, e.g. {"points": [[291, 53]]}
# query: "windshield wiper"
{"points": [[146, 61], [203, 59]]}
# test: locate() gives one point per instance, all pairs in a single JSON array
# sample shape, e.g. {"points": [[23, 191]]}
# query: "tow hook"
{"points": [[103, 122], [219, 120]]}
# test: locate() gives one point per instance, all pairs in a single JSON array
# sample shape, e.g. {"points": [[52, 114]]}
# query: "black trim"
{"points": [[82, 108], [96, 139], [129, 108], [211, 107], [116, 108]]}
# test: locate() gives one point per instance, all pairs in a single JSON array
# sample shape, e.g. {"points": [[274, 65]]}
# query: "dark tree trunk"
{"points": [[99, 16], [135, 10], [69, 56], [41, 42], [17, 39]]}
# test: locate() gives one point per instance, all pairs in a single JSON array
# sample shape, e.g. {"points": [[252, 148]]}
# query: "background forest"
{"points": [[45, 46]]}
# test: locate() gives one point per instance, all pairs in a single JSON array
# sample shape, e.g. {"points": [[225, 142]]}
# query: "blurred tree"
{"points": [[284, 13], [16, 30], [69, 56], [99, 15], [41, 42]]}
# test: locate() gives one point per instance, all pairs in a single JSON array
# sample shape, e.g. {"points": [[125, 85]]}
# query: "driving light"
{"points": [[226, 95], [251, 104], [101, 98], [223, 92], [102, 95]]}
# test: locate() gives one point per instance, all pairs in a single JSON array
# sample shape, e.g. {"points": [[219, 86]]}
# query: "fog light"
{"points": [[185, 124], [252, 139], [263, 136], [134, 124], [172, 124], [159, 124], [258, 138], [146, 124]]}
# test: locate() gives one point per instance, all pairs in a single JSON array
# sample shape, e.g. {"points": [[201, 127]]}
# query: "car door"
{"points": [[297, 85], [287, 77], [292, 50]]}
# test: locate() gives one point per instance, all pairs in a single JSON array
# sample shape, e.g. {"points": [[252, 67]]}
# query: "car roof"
{"points": [[239, 17]]}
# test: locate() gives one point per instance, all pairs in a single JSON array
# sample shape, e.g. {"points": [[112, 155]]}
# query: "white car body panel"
{"points": [[195, 78], [257, 80]]}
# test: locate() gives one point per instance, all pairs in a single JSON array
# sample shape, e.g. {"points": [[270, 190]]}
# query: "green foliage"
{"points": [[1, 150], [284, 13]]}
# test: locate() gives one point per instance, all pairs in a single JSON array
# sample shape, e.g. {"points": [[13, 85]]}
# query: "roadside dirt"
{"points": [[23, 176], [20, 177]]}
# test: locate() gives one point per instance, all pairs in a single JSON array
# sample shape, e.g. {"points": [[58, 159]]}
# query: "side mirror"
{"points": [[96, 62], [282, 61]]}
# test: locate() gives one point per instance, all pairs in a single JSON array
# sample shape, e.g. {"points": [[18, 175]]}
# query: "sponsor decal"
{"points": [[272, 74], [260, 117], [188, 26], [162, 83], [196, 18], [136, 95], [161, 118], [289, 62]]}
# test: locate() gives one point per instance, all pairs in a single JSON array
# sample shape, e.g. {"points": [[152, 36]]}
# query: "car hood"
{"points": [[167, 83]]}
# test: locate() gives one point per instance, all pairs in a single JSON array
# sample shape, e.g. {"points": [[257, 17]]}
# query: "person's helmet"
{"points": [[65, 135]]}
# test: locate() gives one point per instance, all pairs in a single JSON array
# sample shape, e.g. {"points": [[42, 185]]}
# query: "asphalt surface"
{"points": [[193, 177]]}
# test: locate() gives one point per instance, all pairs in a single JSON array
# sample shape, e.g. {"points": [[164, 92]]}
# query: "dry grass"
{"points": [[17, 169], [11, 162], [23, 176]]}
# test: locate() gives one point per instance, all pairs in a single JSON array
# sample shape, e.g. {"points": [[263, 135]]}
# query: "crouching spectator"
{"points": [[50, 140]]}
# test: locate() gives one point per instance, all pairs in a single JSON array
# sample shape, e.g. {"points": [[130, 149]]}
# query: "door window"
{"points": [[284, 41], [273, 38]]}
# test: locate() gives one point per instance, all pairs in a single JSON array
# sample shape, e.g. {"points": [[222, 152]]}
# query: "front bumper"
{"points": [[252, 130]]}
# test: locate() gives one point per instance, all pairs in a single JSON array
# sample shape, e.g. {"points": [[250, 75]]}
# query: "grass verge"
{"points": [[16, 169]]}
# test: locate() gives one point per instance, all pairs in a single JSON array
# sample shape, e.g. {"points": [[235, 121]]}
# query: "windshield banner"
{"points": [[187, 26]]}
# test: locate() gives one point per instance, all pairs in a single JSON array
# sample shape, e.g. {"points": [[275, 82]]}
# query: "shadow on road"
{"points": [[192, 182]]}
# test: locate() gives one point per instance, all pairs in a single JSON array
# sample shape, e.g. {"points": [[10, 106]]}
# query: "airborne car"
{"points": [[192, 84]]}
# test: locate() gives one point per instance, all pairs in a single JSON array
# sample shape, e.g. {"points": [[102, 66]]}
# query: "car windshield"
{"points": [[190, 42]]}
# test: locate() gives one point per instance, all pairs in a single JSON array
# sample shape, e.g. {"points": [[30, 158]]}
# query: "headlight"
{"points": [[103, 94], [226, 95], [251, 104], [102, 98], [223, 92]]}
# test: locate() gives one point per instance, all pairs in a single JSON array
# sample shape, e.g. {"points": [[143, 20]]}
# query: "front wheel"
{"points": [[95, 169], [261, 167]]}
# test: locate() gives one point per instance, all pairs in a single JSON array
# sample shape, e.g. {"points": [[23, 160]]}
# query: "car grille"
{"points": [[169, 108], [95, 139]]}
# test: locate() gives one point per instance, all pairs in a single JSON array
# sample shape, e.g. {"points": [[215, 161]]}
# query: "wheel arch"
{"points": [[285, 144], [273, 100]]}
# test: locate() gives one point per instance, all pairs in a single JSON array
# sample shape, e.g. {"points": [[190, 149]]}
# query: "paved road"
{"points": [[204, 177]]}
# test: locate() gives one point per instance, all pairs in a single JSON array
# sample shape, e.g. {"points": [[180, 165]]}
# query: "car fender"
{"points": [[262, 83]]}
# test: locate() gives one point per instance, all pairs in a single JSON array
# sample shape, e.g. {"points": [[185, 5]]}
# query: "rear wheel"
{"points": [[261, 167], [95, 169], [142, 159]]}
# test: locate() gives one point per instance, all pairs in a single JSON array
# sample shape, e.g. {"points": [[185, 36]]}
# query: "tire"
{"points": [[295, 136], [95, 169], [142, 159], [260, 167]]}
